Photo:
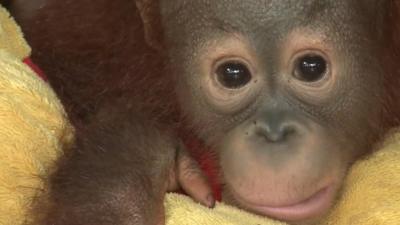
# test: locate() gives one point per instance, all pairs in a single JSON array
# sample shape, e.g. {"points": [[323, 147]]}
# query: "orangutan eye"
{"points": [[310, 68], [233, 74]]}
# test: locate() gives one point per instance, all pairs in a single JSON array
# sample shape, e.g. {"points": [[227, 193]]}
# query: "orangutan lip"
{"points": [[315, 205]]}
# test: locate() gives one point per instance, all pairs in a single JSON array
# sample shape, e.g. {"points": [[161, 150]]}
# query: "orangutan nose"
{"points": [[277, 128]]}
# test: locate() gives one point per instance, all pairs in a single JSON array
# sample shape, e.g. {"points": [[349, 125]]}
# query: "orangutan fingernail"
{"points": [[210, 201]]}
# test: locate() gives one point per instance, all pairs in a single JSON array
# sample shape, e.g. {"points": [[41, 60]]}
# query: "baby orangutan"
{"points": [[287, 94]]}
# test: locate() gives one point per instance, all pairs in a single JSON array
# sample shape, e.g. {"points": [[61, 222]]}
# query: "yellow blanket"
{"points": [[33, 126], [34, 130]]}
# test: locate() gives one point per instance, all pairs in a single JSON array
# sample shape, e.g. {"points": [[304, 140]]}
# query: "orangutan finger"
{"points": [[192, 180]]}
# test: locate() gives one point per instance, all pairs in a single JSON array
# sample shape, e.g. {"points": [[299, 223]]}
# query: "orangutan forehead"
{"points": [[266, 19], [276, 14], [264, 9]]}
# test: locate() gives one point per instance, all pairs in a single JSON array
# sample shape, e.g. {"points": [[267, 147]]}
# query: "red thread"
{"points": [[35, 68]]}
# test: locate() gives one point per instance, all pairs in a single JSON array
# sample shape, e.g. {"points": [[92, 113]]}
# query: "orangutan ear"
{"points": [[150, 12]]}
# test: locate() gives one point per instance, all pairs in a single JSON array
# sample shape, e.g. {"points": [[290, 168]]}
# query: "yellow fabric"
{"points": [[371, 197], [181, 210], [372, 192], [11, 38], [33, 127]]}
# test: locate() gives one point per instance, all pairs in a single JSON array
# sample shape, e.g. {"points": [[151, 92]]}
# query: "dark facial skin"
{"points": [[285, 133]]}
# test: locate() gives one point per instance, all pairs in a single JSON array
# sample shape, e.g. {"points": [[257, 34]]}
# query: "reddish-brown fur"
{"points": [[391, 59], [95, 57], [93, 53]]}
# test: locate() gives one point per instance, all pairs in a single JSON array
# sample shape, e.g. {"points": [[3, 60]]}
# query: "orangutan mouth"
{"points": [[315, 205]]}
